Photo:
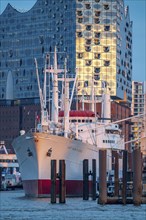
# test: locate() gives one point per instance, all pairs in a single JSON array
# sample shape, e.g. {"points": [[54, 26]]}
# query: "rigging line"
{"points": [[134, 140], [116, 122], [93, 139]]}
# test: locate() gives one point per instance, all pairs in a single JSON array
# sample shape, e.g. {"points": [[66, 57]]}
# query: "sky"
{"points": [[137, 10]]}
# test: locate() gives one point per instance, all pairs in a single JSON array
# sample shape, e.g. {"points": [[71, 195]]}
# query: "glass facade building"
{"points": [[137, 108], [94, 35]]}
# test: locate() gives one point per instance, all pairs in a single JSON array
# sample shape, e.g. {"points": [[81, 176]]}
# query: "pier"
{"points": [[120, 194]]}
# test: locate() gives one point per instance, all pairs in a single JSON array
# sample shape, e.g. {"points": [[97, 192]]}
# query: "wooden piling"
{"points": [[137, 177], [94, 188], [124, 188], [102, 177], [85, 180], [116, 174], [53, 181], [0, 178], [62, 186]]}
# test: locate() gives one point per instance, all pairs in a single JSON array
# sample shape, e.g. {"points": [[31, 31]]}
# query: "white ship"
{"points": [[70, 135]]}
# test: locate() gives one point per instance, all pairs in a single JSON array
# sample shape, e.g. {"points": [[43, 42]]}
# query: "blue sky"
{"points": [[137, 15]]}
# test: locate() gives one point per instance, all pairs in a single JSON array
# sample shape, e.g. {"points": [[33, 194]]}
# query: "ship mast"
{"points": [[67, 101], [106, 104], [55, 72], [44, 112]]}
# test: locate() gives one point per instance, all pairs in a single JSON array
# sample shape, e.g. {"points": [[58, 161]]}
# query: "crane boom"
{"points": [[39, 87]]}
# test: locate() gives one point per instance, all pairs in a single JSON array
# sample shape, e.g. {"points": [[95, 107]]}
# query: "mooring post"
{"points": [[0, 177], [85, 180], [124, 189], [53, 181], [116, 174], [62, 186], [94, 179], [102, 177], [137, 177]]}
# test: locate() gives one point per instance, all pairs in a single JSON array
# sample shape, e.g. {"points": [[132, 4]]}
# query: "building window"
{"points": [[65, 7], [86, 84], [96, 77], [87, 6], [88, 41], [43, 50], [20, 62], [10, 53], [96, 70], [96, 41], [106, 62], [96, 20], [80, 55], [88, 62], [97, 56], [106, 49], [80, 20], [119, 71], [88, 48], [106, 28], [97, 13], [88, 27], [79, 13], [106, 7], [97, 34], [79, 34]]}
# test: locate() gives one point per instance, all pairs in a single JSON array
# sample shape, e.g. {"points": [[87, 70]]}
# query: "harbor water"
{"points": [[14, 205]]}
